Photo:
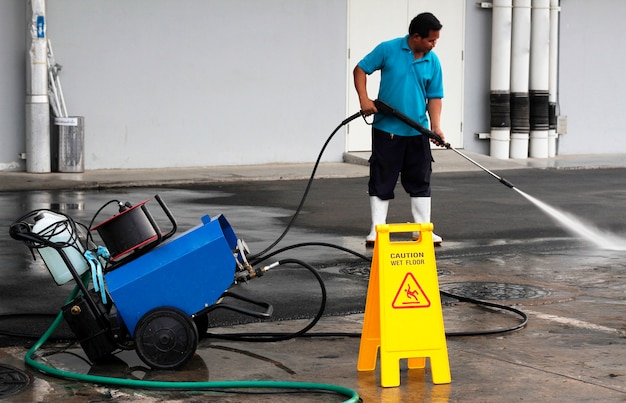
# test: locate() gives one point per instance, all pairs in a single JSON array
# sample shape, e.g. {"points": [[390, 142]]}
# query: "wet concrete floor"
{"points": [[497, 247]]}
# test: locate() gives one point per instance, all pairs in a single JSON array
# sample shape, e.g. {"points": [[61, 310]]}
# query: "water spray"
{"points": [[388, 110], [572, 224]]}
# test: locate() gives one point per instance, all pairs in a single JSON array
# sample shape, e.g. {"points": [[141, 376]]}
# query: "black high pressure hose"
{"points": [[264, 255], [387, 110], [259, 256]]}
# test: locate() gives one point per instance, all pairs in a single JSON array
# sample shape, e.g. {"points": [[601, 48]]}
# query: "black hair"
{"points": [[423, 23]]}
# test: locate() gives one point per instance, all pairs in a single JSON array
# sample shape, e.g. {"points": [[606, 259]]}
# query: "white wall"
{"points": [[165, 83], [171, 83], [592, 76], [12, 83], [477, 77]]}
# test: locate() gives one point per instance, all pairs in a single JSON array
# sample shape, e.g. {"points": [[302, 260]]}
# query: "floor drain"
{"points": [[362, 270], [495, 291], [12, 381]]}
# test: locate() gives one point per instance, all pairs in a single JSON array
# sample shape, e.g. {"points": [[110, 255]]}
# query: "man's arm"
{"points": [[360, 84], [434, 113]]}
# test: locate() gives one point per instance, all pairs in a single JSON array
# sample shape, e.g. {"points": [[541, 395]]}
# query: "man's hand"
{"points": [[439, 132], [368, 107]]}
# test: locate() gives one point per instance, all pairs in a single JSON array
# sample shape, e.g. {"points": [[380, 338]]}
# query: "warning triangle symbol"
{"points": [[410, 294]]}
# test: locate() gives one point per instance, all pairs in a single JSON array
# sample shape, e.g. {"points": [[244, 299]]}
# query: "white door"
{"points": [[373, 21]]}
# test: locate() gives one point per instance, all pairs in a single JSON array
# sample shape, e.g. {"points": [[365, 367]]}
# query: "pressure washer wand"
{"points": [[388, 110]]}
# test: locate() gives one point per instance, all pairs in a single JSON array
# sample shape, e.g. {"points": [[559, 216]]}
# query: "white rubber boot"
{"points": [[378, 209], [420, 208]]}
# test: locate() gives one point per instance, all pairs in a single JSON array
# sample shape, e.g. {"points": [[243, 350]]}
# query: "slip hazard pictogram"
{"points": [[410, 294]]}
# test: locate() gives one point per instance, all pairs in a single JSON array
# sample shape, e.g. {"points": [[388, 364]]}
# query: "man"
{"points": [[410, 82]]}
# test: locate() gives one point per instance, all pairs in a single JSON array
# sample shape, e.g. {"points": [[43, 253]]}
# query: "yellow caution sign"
{"points": [[403, 315]]}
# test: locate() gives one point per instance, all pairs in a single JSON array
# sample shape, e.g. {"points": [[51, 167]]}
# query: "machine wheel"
{"points": [[165, 338]]}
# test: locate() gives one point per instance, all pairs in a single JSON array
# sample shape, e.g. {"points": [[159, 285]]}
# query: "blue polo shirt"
{"points": [[405, 84]]}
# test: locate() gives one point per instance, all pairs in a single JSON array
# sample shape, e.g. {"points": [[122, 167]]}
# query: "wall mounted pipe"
{"points": [[553, 76], [520, 71], [539, 78], [500, 79], [37, 105]]}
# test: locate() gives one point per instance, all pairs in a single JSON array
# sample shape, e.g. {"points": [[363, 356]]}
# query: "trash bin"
{"points": [[71, 143]]}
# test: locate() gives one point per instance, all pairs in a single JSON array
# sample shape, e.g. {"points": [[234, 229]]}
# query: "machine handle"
{"points": [[169, 215]]}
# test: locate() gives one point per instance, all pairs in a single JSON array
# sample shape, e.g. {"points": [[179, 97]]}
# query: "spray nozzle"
{"points": [[506, 183]]}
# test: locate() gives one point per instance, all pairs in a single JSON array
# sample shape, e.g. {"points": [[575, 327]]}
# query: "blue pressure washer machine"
{"points": [[151, 291]]}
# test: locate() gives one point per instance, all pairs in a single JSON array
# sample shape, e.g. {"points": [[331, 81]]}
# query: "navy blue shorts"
{"points": [[407, 157]]}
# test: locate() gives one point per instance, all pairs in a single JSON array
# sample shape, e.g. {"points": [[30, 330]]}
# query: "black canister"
{"points": [[127, 231]]}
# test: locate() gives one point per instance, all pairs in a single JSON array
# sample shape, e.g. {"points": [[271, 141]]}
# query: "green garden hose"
{"points": [[352, 395]]}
